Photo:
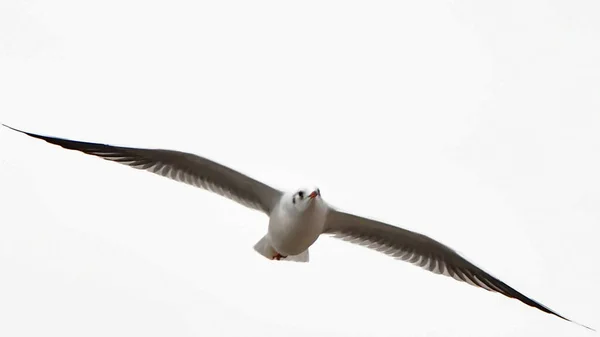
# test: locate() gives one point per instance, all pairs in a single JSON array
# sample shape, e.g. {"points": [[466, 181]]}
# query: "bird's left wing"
{"points": [[181, 166], [421, 251]]}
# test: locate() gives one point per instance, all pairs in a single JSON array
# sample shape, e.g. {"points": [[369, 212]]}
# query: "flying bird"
{"points": [[297, 218]]}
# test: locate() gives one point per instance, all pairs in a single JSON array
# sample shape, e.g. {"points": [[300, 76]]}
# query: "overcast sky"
{"points": [[476, 123]]}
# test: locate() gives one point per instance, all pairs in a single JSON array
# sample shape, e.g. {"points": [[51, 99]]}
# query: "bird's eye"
{"points": [[301, 194], [318, 191]]}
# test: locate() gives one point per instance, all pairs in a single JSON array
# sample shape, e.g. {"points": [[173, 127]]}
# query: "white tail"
{"points": [[302, 257], [264, 248]]}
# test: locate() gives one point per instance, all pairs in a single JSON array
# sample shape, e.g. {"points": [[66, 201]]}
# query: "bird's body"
{"points": [[298, 218], [292, 231]]}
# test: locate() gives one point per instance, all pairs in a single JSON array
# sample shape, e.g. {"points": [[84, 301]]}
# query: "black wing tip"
{"points": [[538, 305], [63, 142], [585, 326], [512, 293], [10, 127], [571, 321], [504, 289], [23, 132]]}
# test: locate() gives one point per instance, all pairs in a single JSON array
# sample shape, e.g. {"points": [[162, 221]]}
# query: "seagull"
{"points": [[297, 218]]}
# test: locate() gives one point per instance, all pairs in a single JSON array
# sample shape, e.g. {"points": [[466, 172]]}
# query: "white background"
{"points": [[476, 123]]}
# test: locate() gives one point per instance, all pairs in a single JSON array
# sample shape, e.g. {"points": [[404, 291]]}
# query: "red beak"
{"points": [[313, 195]]}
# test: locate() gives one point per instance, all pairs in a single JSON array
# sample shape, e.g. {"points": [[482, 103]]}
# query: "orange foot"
{"points": [[278, 257]]}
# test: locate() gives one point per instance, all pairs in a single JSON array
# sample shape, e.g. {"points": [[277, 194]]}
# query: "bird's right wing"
{"points": [[421, 251], [183, 167]]}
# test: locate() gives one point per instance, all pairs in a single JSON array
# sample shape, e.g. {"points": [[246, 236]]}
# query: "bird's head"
{"points": [[303, 198]]}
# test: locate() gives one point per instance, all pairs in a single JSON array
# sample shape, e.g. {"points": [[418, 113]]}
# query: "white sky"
{"points": [[476, 123]]}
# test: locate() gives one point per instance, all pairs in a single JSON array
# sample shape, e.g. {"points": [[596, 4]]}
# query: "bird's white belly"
{"points": [[294, 236]]}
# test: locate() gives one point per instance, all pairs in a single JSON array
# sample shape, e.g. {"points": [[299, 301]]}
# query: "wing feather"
{"points": [[421, 251], [183, 167]]}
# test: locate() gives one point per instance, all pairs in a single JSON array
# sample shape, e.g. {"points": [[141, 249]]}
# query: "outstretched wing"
{"points": [[181, 166], [421, 251]]}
